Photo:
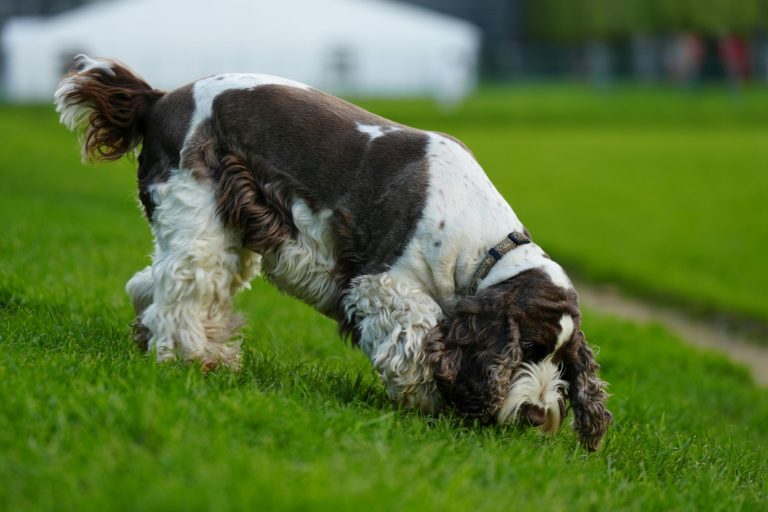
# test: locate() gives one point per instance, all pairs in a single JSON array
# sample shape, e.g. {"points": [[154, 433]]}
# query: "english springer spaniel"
{"points": [[395, 233]]}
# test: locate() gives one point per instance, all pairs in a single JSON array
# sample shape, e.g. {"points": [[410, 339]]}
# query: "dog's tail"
{"points": [[108, 102]]}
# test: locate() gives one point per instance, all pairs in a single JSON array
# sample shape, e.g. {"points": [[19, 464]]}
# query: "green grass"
{"points": [[87, 423]]}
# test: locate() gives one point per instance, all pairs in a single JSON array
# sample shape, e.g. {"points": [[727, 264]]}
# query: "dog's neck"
{"points": [[512, 241], [523, 258]]}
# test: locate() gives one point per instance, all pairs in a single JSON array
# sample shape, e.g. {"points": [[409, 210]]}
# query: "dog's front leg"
{"points": [[392, 318]]}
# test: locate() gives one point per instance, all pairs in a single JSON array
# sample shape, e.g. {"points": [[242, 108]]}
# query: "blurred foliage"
{"points": [[605, 19]]}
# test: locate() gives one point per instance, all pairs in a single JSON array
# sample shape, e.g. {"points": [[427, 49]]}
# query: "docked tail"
{"points": [[109, 102]]}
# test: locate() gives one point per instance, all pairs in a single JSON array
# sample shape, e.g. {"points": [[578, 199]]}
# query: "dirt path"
{"points": [[607, 301]]}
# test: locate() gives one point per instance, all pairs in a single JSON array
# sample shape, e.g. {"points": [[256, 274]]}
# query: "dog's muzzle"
{"points": [[537, 397]]}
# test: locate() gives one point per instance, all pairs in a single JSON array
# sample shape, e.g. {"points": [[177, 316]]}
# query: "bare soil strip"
{"points": [[608, 301]]}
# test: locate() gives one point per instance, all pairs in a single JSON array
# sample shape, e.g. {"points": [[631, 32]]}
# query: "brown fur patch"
{"points": [[166, 128], [119, 100], [199, 153], [309, 143], [248, 201]]}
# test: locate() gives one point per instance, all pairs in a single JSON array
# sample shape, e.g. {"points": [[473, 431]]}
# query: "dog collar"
{"points": [[514, 239]]}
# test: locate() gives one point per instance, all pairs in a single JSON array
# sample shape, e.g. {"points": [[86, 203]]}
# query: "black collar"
{"points": [[514, 239]]}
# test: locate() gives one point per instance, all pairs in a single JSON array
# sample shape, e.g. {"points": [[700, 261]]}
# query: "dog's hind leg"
{"points": [[393, 318], [141, 288], [197, 266]]}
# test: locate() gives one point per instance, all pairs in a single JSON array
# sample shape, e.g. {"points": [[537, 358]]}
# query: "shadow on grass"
{"points": [[360, 387], [269, 373]]}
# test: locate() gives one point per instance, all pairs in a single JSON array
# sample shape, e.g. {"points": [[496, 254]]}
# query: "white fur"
{"points": [[393, 318], [525, 258], [566, 331], [141, 288], [249, 267], [84, 63], [196, 267], [539, 385], [464, 216], [375, 131], [73, 115], [474, 217], [302, 266]]}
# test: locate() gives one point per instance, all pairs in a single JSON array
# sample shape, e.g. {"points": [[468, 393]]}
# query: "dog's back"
{"points": [[308, 144], [269, 146]]}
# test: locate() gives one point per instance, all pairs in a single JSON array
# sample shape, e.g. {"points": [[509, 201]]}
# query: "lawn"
{"points": [[87, 423]]}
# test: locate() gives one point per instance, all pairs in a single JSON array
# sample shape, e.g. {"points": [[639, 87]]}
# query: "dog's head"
{"points": [[514, 352]]}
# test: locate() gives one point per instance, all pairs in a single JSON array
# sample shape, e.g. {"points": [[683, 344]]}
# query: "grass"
{"points": [[87, 423]]}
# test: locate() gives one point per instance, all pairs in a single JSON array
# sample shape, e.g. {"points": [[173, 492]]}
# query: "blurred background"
{"points": [[630, 136], [379, 47]]}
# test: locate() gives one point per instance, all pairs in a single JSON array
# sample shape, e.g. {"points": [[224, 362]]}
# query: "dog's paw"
{"points": [[141, 335]]}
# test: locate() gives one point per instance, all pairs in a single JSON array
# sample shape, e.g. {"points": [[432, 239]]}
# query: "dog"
{"points": [[394, 232]]}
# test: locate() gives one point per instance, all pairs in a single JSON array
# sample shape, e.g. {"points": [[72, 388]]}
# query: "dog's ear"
{"points": [[586, 392], [445, 341], [443, 357], [473, 356]]}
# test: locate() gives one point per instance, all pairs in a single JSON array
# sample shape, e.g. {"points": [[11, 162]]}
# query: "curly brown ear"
{"points": [[443, 359], [587, 395], [445, 341]]}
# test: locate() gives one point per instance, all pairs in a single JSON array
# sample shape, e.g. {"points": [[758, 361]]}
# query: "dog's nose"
{"points": [[536, 415]]}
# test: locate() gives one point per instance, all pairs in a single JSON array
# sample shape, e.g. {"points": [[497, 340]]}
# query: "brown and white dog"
{"points": [[394, 232]]}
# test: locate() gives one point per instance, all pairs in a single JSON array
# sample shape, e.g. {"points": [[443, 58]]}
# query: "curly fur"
{"points": [[303, 265], [196, 268], [110, 101], [515, 345], [256, 207], [538, 386], [395, 320], [586, 393], [475, 360]]}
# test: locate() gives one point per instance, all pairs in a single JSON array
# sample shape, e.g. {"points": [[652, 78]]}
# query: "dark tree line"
{"points": [[574, 20]]}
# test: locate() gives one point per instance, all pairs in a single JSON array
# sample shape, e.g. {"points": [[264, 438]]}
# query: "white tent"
{"points": [[358, 47]]}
